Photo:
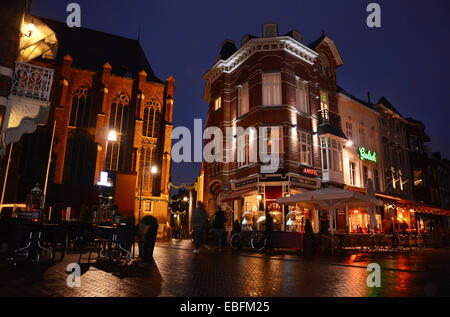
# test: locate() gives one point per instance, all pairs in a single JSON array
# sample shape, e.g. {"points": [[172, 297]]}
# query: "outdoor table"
{"points": [[113, 230], [35, 238]]}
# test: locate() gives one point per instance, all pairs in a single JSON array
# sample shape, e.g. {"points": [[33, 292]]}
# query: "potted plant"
{"points": [[147, 230]]}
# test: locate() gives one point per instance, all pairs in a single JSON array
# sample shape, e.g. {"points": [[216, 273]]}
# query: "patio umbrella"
{"points": [[372, 210]]}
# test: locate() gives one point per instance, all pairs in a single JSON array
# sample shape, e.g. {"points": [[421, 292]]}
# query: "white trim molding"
{"points": [[6, 71]]}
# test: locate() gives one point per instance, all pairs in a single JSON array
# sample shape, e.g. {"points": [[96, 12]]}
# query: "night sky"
{"points": [[407, 60]]}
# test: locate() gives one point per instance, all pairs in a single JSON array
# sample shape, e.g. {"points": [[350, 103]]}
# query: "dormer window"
{"points": [[324, 67]]}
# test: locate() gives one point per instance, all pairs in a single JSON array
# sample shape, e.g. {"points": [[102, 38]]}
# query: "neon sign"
{"points": [[367, 155], [311, 171]]}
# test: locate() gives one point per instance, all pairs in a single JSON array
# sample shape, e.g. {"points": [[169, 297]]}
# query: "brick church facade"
{"points": [[101, 83]]}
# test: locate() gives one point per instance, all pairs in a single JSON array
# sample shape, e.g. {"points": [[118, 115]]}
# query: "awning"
{"points": [[418, 207], [237, 195]]}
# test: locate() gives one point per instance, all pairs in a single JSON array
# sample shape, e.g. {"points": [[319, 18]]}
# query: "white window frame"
{"points": [[302, 96], [271, 90], [243, 150], [305, 141], [352, 172]]}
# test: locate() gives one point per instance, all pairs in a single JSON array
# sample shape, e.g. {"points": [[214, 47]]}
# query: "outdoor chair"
{"points": [[102, 241], [125, 239]]}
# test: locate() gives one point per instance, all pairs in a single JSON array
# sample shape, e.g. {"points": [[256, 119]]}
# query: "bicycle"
{"points": [[256, 239]]}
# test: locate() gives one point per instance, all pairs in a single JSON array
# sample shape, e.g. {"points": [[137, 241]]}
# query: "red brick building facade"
{"points": [[102, 83], [273, 81]]}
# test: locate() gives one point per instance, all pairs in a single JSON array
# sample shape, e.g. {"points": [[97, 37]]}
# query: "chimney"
{"points": [[270, 30]]}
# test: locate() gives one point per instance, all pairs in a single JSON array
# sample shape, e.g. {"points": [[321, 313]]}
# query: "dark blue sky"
{"points": [[407, 59]]}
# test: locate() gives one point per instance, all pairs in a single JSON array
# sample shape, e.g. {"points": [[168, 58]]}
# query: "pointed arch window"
{"points": [[151, 120], [118, 120], [146, 161], [81, 108]]}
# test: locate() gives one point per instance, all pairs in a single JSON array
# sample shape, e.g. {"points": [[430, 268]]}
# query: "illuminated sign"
{"points": [[104, 180], [367, 155], [310, 171]]}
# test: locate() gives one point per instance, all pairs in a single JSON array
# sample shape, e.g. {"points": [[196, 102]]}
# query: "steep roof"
{"points": [[90, 49], [331, 44], [388, 105], [348, 94]]}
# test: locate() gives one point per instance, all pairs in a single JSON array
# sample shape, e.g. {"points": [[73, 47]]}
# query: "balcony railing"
{"points": [[32, 81], [327, 117]]}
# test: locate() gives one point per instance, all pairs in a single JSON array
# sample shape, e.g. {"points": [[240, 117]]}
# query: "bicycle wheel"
{"points": [[258, 241], [236, 241]]}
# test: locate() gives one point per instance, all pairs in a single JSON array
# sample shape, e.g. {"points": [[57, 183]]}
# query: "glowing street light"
{"points": [[185, 198], [154, 170], [349, 143], [112, 136]]}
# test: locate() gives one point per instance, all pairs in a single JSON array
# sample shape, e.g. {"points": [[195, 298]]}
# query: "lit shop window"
{"points": [[147, 206], [271, 84], [243, 104], [218, 103], [305, 148], [301, 94]]}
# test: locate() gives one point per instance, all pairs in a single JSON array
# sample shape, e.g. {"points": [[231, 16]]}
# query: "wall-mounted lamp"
{"points": [[30, 28]]}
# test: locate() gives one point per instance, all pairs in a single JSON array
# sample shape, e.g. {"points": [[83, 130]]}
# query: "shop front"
{"points": [[255, 199]]}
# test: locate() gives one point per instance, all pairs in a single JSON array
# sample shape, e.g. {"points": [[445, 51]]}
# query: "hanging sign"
{"points": [[367, 155]]}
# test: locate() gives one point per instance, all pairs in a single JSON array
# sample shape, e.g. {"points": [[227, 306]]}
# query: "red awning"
{"points": [[237, 195], [418, 207]]}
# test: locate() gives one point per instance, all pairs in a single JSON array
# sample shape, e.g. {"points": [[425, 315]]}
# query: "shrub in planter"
{"points": [[147, 230]]}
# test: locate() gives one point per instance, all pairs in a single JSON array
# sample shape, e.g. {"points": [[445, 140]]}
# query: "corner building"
{"points": [[274, 81]]}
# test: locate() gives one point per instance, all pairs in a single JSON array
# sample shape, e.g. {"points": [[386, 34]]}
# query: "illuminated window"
{"points": [[151, 121], [331, 154], [349, 130], [324, 104], [271, 84], [305, 149], [352, 169], [81, 108], [271, 136], [243, 104], [118, 119], [147, 204], [218, 103], [418, 178], [362, 136], [243, 150], [146, 161], [301, 93]]}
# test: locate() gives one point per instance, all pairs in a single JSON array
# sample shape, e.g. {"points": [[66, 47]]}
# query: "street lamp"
{"points": [[185, 198]]}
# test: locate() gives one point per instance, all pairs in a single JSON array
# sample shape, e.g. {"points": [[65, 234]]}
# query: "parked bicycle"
{"points": [[256, 239]]}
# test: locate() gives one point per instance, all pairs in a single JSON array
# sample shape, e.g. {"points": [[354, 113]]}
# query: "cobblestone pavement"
{"points": [[177, 271]]}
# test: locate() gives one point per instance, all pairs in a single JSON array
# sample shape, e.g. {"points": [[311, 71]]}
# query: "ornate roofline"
{"points": [[255, 45]]}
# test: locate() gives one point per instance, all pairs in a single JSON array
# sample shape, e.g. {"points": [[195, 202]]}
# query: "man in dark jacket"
{"points": [[218, 225], [199, 218]]}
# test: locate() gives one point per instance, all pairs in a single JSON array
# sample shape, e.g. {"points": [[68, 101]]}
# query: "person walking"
{"points": [[219, 227], [199, 218]]}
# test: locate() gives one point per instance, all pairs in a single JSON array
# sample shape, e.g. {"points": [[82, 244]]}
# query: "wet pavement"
{"points": [[177, 271]]}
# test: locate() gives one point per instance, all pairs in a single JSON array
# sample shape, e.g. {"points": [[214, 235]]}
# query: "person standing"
{"points": [[199, 218], [219, 227]]}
